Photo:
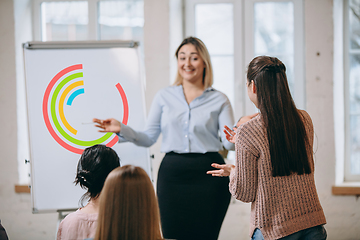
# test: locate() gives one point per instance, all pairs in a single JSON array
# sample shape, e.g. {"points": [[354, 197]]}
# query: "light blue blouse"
{"points": [[185, 128]]}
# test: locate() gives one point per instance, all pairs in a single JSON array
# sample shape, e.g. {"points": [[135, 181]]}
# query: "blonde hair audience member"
{"points": [[128, 207]]}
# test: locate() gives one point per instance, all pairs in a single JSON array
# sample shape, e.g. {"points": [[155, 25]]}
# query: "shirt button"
{"points": [[186, 136], [185, 122]]}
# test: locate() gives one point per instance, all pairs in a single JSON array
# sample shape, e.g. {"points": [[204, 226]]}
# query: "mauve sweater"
{"points": [[280, 206]]}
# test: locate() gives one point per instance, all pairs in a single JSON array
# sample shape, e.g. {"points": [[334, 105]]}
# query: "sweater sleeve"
{"points": [[244, 178]]}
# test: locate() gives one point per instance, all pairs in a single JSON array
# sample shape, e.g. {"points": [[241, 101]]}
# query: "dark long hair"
{"points": [[94, 166], [288, 141]]}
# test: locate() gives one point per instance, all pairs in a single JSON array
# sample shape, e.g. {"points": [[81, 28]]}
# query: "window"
{"points": [[215, 23], [76, 20], [274, 33], [275, 28], [352, 90], [237, 31], [218, 18], [121, 20], [62, 21]]}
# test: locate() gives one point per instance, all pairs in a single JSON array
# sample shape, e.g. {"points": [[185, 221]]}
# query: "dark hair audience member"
{"points": [[3, 235], [95, 164], [274, 167]]}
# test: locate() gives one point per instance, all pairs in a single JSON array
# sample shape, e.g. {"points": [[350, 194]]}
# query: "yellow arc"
{"points": [[61, 105]]}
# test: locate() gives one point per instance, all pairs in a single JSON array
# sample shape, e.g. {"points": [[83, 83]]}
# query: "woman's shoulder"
{"points": [[216, 95], [169, 91], [78, 216], [73, 216], [251, 131], [77, 225], [216, 92], [252, 124]]}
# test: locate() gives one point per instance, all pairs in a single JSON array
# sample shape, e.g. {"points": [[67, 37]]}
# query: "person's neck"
{"points": [[193, 86], [92, 206], [192, 90]]}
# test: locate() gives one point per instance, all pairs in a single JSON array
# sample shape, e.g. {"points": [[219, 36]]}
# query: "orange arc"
{"points": [[62, 102]]}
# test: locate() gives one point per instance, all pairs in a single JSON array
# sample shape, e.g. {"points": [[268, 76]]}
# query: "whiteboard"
{"points": [[67, 85]]}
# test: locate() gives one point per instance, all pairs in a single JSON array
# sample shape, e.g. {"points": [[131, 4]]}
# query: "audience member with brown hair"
{"points": [[274, 167], [128, 207]]}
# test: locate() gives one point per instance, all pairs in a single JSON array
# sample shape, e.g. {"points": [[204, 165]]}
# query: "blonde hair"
{"points": [[128, 207], [204, 54]]}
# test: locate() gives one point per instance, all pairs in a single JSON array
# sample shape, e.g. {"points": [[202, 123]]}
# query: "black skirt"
{"points": [[192, 203]]}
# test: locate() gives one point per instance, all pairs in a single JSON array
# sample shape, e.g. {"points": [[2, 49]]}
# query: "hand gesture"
{"points": [[229, 134], [108, 125], [224, 170]]}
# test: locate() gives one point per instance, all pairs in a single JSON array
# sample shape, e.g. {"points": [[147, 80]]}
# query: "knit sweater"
{"points": [[280, 206]]}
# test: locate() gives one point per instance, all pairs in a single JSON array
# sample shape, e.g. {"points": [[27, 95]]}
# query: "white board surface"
{"points": [[66, 88]]}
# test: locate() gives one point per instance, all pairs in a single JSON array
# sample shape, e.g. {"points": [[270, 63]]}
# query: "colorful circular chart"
{"points": [[63, 90]]}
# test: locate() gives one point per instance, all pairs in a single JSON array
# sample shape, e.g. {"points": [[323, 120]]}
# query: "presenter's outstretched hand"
{"points": [[224, 170], [108, 125]]}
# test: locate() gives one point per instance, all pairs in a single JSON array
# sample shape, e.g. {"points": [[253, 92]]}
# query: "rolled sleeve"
{"points": [[226, 117]]}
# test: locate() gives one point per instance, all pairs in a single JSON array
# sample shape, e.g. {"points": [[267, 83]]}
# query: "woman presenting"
{"points": [[274, 167], [189, 115]]}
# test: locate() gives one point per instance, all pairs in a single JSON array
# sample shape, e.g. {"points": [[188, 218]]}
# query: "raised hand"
{"points": [[224, 170], [108, 125], [229, 134]]}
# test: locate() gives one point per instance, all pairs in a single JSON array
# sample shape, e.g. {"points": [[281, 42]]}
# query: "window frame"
{"points": [[244, 47], [239, 83], [92, 14], [348, 177], [299, 47]]}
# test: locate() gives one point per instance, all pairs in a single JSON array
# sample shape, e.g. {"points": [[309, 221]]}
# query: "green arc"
{"points": [[57, 124]]}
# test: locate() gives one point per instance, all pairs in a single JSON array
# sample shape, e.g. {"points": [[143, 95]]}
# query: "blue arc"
{"points": [[74, 95]]}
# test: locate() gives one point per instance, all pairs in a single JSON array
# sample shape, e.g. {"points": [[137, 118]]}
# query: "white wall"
{"points": [[157, 66], [343, 213], [23, 33], [15, 209]]}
